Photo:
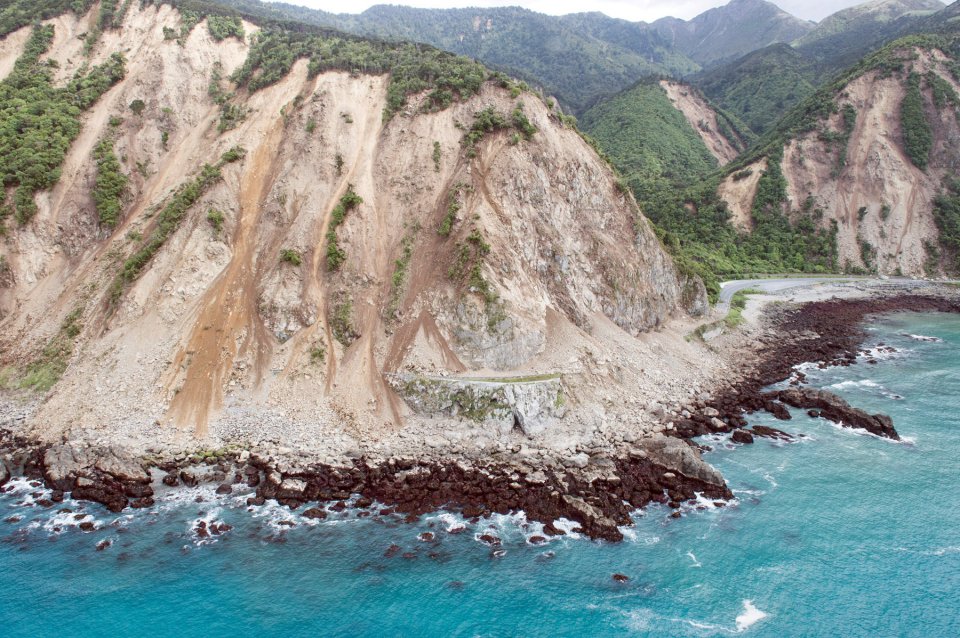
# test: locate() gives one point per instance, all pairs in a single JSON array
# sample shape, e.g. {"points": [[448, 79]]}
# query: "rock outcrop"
{"points": [[528, 405], [836, 409]]}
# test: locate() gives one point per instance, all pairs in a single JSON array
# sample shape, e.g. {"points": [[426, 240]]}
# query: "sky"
{"points": [[635, 10]]}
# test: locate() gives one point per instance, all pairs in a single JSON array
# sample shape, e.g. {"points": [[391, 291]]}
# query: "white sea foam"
{"points": [[862, 383], [806, 366], [452, 523], [925, 338], [750, 616], [693, 558], [60, 522], [568, 526]]}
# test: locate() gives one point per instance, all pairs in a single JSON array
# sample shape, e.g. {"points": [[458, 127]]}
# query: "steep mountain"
{"points": [[872, 157], [730, 31], [578, 57], [841, 39], [227, 228], [867, 18], [761, 86]]}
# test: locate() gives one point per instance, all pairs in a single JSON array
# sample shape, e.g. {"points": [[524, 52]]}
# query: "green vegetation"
{"points": [[521, 123], [169, 220], [290, 256], [490, 120], [231, 113], [341, 321], [110, 17], [436, 156], [943, 93], [467, 270], [400, 268], [413, 68], [39, 121], [111, 183], [664, 161], [318, 353], [188, 20], [946, 212], [137, 106], [15, 14], [335, 254], [737, 305], [917, 137], [760, 87], [574, 57], [223, 27], [693, 224], [43, 373], [648, 140], [838, 141], [453, 207], [868, 253], [215, 218]]}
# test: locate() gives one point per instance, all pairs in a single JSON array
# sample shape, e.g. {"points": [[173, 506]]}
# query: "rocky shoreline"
{"points": [[826, 333], [599, 496], [597, 491]]}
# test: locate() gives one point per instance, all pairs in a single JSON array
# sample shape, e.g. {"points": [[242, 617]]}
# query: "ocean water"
{"points": [[838, 534]]}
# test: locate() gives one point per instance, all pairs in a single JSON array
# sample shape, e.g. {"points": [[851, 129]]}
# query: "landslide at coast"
{"points": [[216, 225]]}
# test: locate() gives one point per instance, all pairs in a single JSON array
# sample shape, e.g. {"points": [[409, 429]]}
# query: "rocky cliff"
{"points": [[278, 246], [868, 156]]}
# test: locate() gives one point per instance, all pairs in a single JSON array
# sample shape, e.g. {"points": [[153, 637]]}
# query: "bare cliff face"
{"points": [[853, 169], [342, 248]]}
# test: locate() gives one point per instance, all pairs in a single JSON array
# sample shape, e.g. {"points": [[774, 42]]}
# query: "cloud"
{"points": [[634, 10]]}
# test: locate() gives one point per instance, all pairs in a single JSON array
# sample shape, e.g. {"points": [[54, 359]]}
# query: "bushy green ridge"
{"points": [[39, 121], [578, 58], [946, 212], [223, 27], [760, 87], [15, 14], [674, 178], [412, 68], [808, 115], [705, 243], [169, 220], [917, 137], [648, 139], [110, 184], [110, 15], [694, 225]]}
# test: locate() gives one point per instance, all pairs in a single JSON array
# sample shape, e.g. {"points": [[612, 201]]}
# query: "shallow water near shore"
{"points": [[840, 533]]}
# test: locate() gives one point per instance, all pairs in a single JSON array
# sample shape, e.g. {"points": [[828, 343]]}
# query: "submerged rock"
{"points": [[315, 513], [770, 433]]}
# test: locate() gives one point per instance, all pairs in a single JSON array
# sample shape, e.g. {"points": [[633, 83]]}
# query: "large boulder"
{"points": [[835, 409], [676, 455]]}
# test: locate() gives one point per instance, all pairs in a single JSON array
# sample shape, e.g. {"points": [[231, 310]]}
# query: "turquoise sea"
{"points": [[838, 534]]}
